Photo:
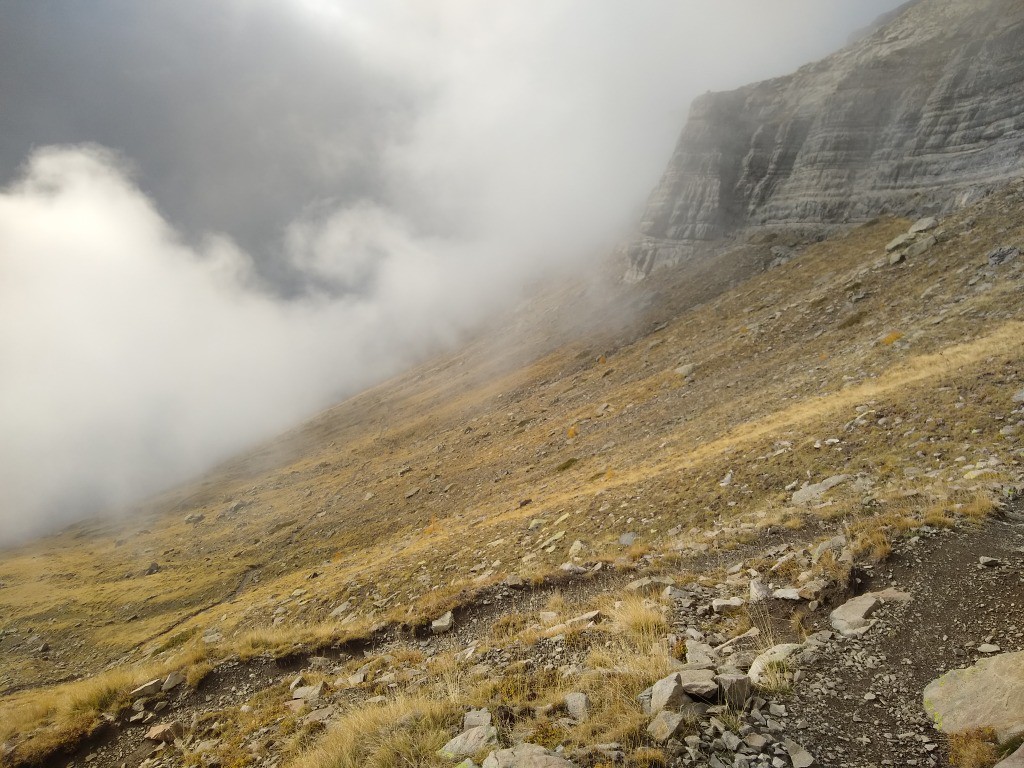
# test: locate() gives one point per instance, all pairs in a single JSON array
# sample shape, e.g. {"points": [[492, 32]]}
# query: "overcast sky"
{"points": [[218, 217]]}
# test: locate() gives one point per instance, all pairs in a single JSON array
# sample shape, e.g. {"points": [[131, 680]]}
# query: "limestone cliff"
{"points": [[921, 115]]}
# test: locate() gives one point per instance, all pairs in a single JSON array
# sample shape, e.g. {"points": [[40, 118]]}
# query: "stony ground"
{"points": [[848, 701], [860, 701]]}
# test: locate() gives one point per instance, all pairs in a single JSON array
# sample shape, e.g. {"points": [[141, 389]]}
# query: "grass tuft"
{"points": [[977, 748], [406, 731], [640, 622]]}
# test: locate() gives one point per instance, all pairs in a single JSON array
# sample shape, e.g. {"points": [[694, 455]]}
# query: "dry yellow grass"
{"points": [[333, 494], [508, 625], [287, 640], [66, 713], [638, 622], [648, 757], [978, 748], [406, 731]]}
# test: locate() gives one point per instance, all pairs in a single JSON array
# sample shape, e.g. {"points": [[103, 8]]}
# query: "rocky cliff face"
{"points": [[922, 115]]}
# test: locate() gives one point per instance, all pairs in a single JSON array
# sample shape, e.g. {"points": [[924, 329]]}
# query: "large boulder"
{"points": [[988, 695]]}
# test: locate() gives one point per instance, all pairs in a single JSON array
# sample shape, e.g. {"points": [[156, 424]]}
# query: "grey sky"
{"points": [[239, 116], [258, 207]]}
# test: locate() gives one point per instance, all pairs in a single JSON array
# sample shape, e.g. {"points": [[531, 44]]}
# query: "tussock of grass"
{"points": [[977, 748], [556, 603], [872, 546], [451, 678], [648, 757], [176, 640], [938, 517], [508, 625], [761, 618], [547, 733], [776, 679], [976, 506], [284, 640], [197, 673], [833, 569], [640, 622], [407, 731]]}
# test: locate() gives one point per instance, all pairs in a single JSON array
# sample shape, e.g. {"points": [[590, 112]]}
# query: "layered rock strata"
{"points": [[923, 115]]}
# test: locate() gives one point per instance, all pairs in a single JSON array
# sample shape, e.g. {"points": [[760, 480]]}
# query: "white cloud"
{"points": [[131, 360], [520, 136]]}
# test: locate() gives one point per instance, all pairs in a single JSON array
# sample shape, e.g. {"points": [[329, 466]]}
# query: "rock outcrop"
{"points": [[924, 114]]}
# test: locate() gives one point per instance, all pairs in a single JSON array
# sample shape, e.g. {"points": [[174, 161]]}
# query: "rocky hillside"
{"points": [[773, 527], [921, 116]]}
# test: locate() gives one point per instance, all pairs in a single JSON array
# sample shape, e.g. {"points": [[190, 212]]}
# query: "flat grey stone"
{"points": [[924, 225], [813, 492], [921, 247], [699, 683], [800, 757], [308, 692], [470, 742], [905, 239], [851, 618], [476, 718], [172, 681], [526, 756], [726, 604], [147, 689]]}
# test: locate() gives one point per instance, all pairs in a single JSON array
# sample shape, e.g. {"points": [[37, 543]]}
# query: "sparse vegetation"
{"points": [[777, 679], [974, 749], [640, 622], [66, 713], [404, 731]]}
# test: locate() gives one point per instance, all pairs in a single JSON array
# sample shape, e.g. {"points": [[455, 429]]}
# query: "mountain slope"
{"points": [[452, 484]]}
